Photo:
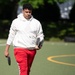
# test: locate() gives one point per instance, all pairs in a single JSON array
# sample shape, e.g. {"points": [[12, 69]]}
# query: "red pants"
{"points": [[24, 58]]}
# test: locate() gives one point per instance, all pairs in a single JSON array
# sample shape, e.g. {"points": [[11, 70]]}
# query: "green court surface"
{"points": [[55, 58]]}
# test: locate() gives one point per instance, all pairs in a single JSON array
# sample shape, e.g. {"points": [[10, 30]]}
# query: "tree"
{"points": [[49, 12], [8, 8], [37, 3]]}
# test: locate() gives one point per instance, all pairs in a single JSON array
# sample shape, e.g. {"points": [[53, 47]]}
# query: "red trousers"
{"points": [[24, 58]]}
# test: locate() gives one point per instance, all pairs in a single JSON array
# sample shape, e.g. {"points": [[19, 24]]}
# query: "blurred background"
{"points": [[56, 16]]}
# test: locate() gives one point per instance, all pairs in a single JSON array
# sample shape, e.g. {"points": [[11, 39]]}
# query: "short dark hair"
{"points": [[27, 6]]}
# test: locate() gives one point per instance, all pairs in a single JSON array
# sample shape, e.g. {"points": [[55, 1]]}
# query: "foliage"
{"points": [[6, 2], [37, 3], [46, 11], [59, 30], [4, 28]]}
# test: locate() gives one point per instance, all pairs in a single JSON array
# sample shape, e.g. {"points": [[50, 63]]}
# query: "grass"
{"points": [[42, 66]]}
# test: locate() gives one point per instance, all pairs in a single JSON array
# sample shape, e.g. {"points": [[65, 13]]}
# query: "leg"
{"points": [[31, 55], [21, 58], [24, 58]]}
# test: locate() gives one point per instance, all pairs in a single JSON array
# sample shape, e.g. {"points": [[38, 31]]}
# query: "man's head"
{"points": [[27, 10]]}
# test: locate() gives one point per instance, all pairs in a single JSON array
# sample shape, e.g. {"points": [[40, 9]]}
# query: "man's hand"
{"points": [[6, 53], [37, 48]]}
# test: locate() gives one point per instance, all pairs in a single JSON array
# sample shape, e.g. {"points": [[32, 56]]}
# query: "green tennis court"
{"points": [[55, 58]]}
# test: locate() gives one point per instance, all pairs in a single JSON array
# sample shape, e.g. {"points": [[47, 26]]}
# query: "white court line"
{"points": [[61, 43], [57, 43], [2, 44]]}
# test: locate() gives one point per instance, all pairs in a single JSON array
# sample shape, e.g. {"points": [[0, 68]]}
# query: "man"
{"points": [[26, 34]]}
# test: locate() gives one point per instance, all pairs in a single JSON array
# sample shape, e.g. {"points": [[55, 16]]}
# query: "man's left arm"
{"points": [[40, 37]]}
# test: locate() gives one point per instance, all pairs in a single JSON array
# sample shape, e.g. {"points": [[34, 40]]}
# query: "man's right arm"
{"points": [[6, 52]]}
